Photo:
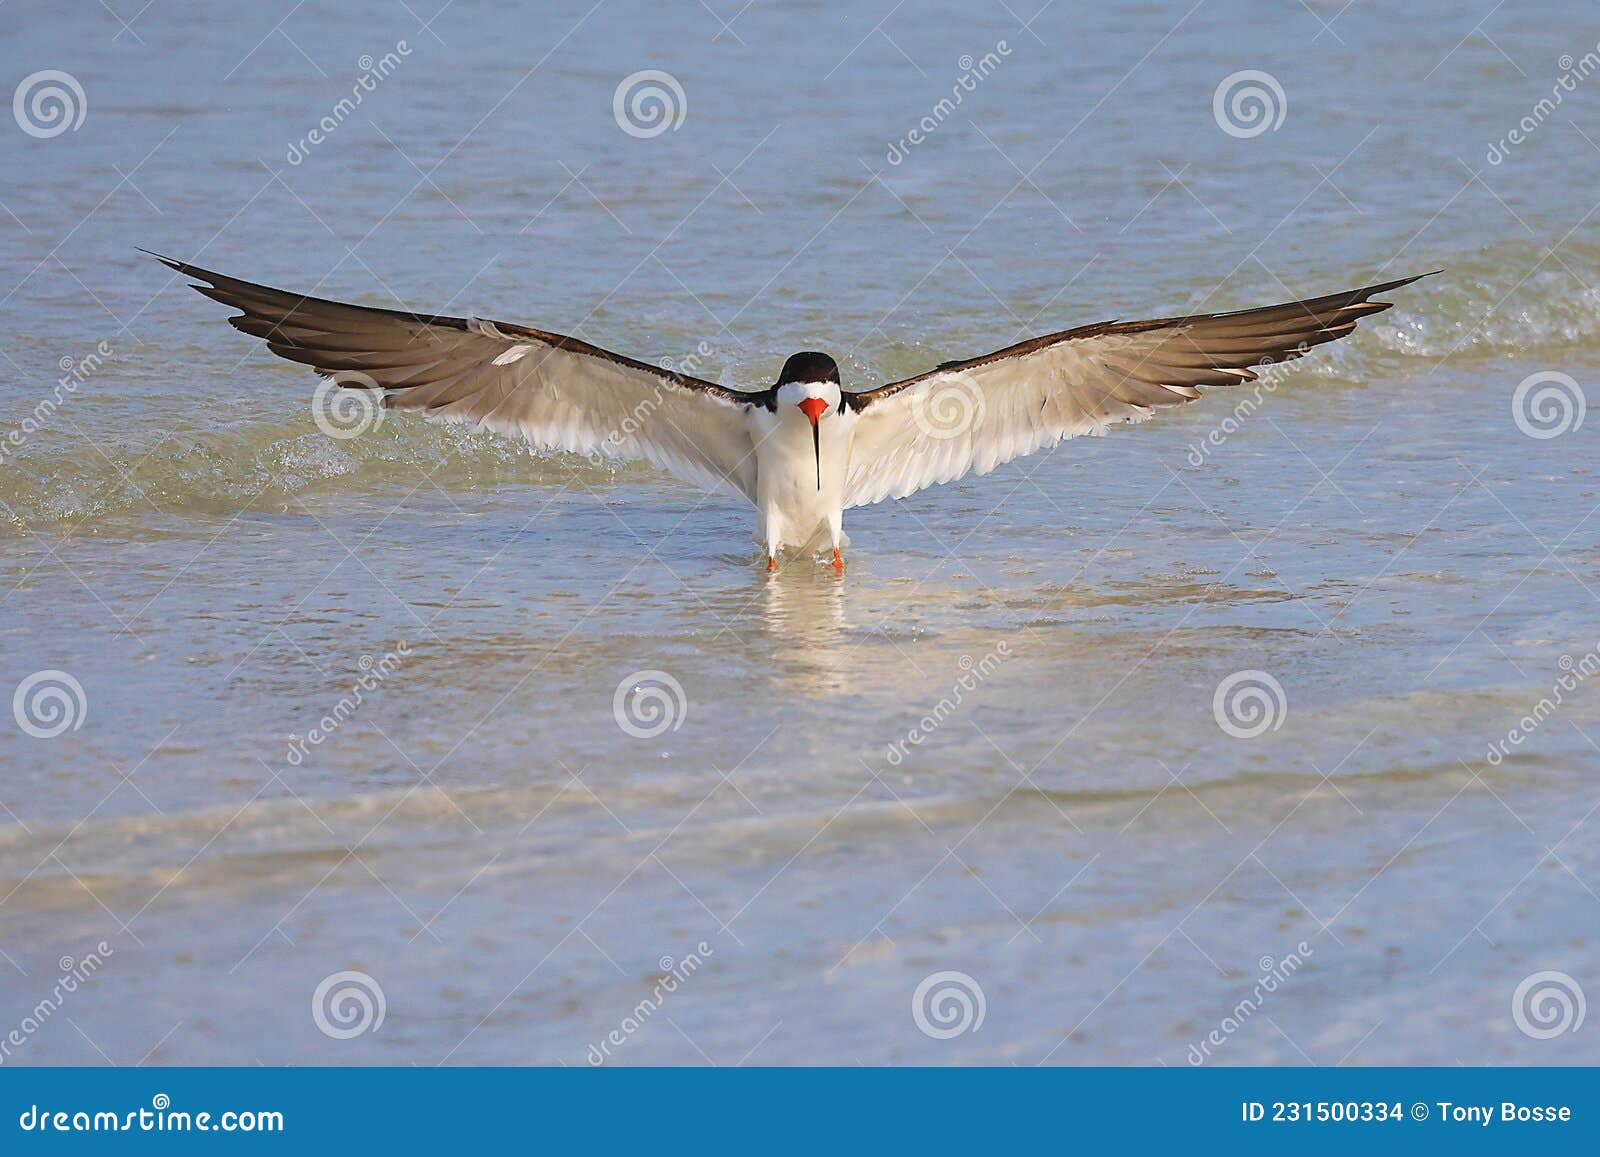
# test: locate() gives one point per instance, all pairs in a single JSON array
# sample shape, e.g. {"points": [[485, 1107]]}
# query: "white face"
{"points": [[791, 394]]}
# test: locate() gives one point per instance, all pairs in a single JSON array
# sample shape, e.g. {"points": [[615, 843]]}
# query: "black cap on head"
{"points": [[809, 367]]}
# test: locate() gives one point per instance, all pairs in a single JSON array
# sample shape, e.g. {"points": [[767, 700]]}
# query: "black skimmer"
{"points": [[803, 450]]}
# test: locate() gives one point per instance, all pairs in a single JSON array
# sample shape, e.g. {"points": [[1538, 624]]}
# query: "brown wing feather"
{"points": [[331, 336], [552, 389], [1207, 349], [971, 416]]}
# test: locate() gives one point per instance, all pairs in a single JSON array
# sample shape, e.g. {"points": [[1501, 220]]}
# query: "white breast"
{"points": [[792, 510]]}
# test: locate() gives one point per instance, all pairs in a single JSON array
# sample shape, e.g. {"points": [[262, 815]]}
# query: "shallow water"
{"points": [[990, 748]]}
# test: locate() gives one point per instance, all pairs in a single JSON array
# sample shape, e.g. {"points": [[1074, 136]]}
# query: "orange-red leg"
{"points": [[838, 561], [772, 564]]}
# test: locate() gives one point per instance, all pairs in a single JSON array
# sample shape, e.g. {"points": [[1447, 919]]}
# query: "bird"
{"points": [[803, 450]]}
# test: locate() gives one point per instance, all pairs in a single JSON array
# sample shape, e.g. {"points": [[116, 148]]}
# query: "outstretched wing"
{"points": [[555, 391], [977, 414]]}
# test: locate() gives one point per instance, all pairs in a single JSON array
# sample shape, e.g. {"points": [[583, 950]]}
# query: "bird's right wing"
{"points": [[555, 391], [974, 415]]}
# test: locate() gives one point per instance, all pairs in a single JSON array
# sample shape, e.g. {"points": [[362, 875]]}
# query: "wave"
{"points": [[275, 840], [60, 481], [1506, 298]]}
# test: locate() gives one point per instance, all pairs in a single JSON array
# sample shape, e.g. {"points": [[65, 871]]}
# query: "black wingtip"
{"points": [[1400, 282], [170, 262], [1370, 292], [203, 280]]}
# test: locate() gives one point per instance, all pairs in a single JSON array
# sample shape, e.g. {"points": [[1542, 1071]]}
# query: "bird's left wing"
{"points": [[974, 415], [555, 391]]}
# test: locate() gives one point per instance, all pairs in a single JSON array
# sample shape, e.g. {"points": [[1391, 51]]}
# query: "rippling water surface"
{"points": [[1116, 732]]}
